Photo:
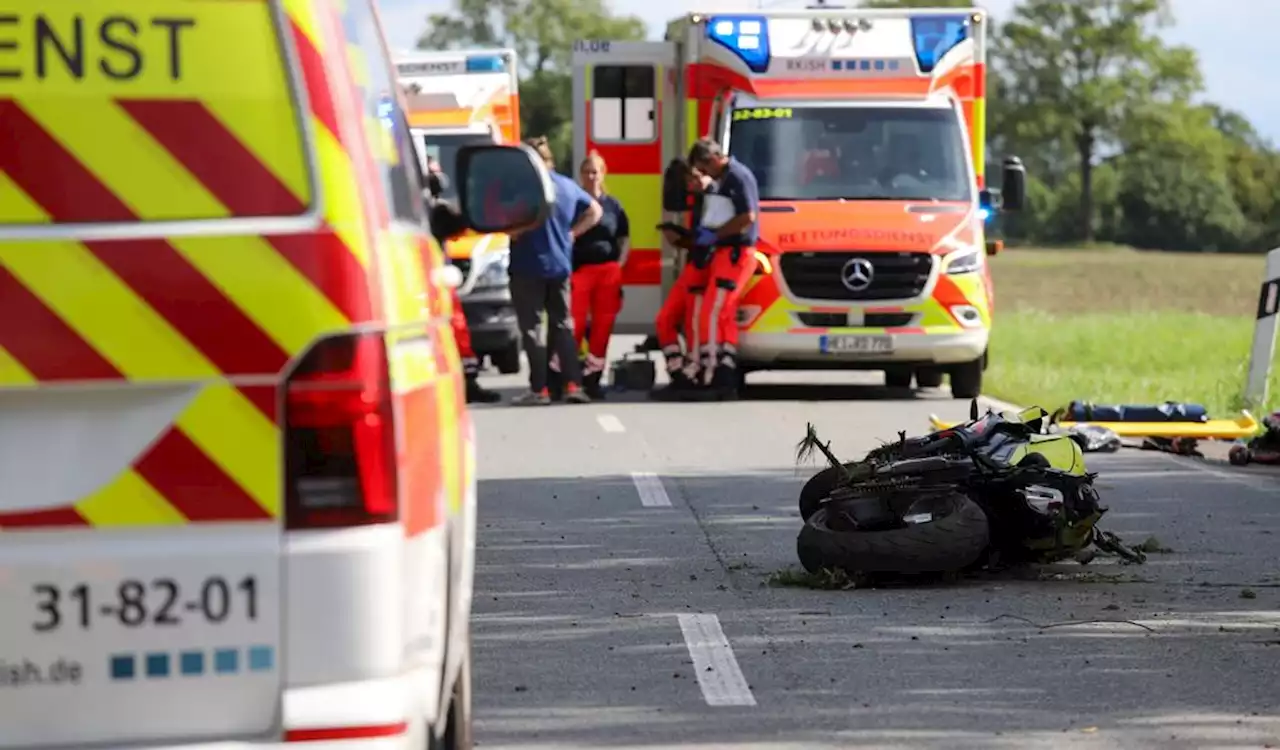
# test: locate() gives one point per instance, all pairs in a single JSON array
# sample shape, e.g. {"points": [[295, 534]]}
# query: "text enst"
{"points": [[120, 47]]}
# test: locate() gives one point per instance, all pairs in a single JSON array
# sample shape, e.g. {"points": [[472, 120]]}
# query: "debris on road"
{"points": [[990, 492]]}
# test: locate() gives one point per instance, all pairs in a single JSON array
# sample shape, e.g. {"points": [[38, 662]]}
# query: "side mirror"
{"points": [[503, 188], [1013, 190]]}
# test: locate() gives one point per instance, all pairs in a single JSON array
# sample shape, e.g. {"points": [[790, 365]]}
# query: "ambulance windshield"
{"points": [[854, 153], [443, 149]]}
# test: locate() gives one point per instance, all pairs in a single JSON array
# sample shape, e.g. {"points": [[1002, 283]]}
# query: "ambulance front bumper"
{"points": [[863, 350]]}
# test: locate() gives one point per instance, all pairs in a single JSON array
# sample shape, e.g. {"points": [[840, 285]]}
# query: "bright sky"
{"points": [[1221, 31]]}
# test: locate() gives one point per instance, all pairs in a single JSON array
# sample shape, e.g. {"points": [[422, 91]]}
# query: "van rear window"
{"points": [[147, 110]]}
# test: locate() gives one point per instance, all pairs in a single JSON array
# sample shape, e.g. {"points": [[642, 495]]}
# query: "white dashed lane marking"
{"points": [[610, 423], [719, 675], [652, 493]]}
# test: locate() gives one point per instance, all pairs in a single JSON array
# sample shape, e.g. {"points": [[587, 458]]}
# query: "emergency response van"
{"points": [[865, 129], [238, 503], [459, 98]]}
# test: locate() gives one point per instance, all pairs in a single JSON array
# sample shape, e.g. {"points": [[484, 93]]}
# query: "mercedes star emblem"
{"points": [[857, 274]]}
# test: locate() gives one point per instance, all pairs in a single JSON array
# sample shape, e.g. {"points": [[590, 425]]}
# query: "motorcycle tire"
{"points": [[952, 542], [817, 489]]}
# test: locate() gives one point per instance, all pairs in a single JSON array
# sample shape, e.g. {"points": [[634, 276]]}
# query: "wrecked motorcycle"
{"points": [[991, 491]]}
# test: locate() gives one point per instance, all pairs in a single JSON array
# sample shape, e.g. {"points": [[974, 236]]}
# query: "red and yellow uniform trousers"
{"points": [[596, 293], [703, 303]]}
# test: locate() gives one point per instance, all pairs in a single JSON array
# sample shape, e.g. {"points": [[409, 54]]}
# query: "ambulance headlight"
{"points": [[496, 270], [965, 262]]}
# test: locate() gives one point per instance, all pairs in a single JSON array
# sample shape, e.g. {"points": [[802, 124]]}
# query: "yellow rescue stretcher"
{"points": [[1243, 426]]}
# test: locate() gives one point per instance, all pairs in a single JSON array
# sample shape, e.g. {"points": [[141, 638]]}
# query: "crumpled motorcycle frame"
{"points": [[1034, 495]]}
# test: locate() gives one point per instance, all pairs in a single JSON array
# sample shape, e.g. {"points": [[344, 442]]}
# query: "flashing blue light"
{"points": [[745, 36], [984, 214], [935, 36], [486, 64]]}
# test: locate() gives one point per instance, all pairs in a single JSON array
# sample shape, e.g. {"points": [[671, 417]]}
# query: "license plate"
{"points": [[856, 344], [143, 638]]}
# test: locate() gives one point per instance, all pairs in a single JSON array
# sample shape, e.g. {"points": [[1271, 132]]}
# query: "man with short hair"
{"points": [[733, 262], [540, 271]]}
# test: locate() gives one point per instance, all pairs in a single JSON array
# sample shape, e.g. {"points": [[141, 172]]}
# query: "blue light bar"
{"points": [[486, 64], [935, 36], [745, 36], [984, 214]]}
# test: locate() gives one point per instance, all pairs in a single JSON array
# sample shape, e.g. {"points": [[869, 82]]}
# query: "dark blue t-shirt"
{"points": [[546, 251], [602, 243], [739, 185]]}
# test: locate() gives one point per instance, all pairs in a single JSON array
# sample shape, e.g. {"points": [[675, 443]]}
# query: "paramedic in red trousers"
{"points": [[679, 312], [732, 263], [599, 255], [445, 220]]}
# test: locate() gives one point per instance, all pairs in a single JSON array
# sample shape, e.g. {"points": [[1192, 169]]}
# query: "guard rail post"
{"points": [[1264, 335]]}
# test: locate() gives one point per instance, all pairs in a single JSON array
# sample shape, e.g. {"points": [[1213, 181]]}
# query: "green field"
{"points": [[1123, 326]]}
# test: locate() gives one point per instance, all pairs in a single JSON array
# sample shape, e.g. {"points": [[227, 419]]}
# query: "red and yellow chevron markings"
{"points": [[217, 310]]}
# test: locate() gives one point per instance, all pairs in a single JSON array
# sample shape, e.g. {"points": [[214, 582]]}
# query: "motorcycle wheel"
{"points": [[951, 542], [817, 489]]}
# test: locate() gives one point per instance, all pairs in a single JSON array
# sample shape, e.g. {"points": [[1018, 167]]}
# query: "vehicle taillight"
{"points": [[340, 447]]}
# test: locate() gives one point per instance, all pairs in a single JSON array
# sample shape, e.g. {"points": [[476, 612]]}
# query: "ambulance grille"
{"points": [[894, 276], [464, 265]]}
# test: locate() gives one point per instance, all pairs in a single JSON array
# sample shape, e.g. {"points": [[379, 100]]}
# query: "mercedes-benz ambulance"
{"points": [[866, 131]]}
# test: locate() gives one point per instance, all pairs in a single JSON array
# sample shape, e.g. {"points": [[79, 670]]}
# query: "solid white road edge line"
{"points": [[716, 667], [610, 423], [652, 493]]}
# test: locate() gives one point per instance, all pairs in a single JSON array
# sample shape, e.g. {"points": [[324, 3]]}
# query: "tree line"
{"points": [[1120, 144]]}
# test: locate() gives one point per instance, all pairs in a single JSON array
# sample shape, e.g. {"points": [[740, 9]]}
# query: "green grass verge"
{"points": [[1120, 326], [1049, 360]]}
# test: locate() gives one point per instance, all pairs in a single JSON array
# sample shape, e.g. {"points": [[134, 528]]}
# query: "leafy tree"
{"points": [[1175, 191], [542, 33], [1073, 70], [1253, 171]]}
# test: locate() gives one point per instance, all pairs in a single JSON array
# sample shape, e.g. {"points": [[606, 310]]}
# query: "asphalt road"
{"points": [[622, 597]]}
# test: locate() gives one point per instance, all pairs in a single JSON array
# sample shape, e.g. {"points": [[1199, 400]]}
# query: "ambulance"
{"points": [[865, 129], [239, 476], [463, 98]]}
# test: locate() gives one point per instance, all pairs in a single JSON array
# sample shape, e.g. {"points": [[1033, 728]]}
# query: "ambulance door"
{"points": [[624, 104]]}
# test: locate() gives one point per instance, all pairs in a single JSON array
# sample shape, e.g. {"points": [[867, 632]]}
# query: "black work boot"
{"points": [[591, 384], [679, 389], [724, 383], [725, 379], [478, 394]]}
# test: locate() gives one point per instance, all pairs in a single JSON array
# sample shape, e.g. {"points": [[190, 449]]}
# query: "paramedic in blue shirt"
{"points": [[541, 268], [733, 262]]}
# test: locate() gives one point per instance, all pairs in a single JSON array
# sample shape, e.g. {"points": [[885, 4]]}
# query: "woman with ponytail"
{"points": [[599, 255]]}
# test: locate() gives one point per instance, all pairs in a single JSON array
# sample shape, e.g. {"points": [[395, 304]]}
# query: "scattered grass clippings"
{"points": [[828, 579], [1152, 545]]}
